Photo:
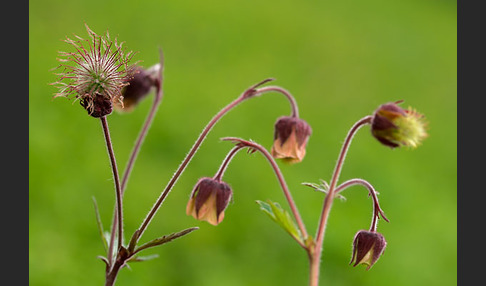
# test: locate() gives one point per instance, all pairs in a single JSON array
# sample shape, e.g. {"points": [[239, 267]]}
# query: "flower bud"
{"points": [[368, 246], [208, 200], [139, 87], [395, 127], [290, 139]]}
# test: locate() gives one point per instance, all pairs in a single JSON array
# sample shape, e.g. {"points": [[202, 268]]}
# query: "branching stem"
{"points": [[377, 211], [251, 92], [140, 139], [316, 256], [281, 180]]}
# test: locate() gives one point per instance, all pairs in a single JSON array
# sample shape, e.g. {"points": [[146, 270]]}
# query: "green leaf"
{"points": [[323, 188], [165, 239], [282, 218]]}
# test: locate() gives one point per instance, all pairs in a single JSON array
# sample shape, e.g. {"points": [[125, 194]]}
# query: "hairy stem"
{"points": [[293, 102], [140, 140], [315, 259], [146, 126], [281, 180], [377, 211], [118, 193], [142, 135], [183, 165], [113, 273], [219, 174], [247, 94], [251, 92]]}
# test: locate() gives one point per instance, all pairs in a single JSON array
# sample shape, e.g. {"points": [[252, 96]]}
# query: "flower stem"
{"points": [[183, 165], [315, 258], [377, 211], [247, 94], [281, 180], [146, 126], [118, 193], [251, 92], [113, 273], [293, 102], [219, 174], [138, 143], [141, 136]]}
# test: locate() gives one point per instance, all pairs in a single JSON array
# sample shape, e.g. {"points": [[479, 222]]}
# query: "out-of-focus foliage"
{"points": [[340, 59]]}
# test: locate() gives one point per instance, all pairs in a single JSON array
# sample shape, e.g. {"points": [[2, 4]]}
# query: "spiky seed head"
{"points": [[95, 73], [394, 126]]}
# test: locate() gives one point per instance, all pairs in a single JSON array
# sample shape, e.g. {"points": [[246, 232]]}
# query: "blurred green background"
{"points": [[340, 59]]}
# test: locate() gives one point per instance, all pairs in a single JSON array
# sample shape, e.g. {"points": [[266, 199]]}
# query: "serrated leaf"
{"points": [[266, 208], [165, 239], [323, 188], [324, 184], [282, 218]]}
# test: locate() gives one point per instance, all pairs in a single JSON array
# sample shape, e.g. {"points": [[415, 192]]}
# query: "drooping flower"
{"points": [[209, 199], [395, 127], [290, 139], [95, 73], [139, 87], [368, 246]]}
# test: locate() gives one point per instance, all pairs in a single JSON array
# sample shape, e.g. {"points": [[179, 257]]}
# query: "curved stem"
{"points": [[377, 211], [183, 165], [118, 194], [143, 133], [316, 257], [219, 174], [293, 103], [146, 126], [249, 93], [280, 178], [138, 143]]}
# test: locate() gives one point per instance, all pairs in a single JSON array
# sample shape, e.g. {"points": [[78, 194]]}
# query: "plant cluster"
{"points": [[99, 74]]}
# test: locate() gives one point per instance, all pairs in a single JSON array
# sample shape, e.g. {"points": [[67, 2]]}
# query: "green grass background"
{"points": [[340, 59]]}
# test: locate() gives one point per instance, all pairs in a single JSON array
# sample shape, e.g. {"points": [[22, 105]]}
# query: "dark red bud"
{"points": [[368, 246]]}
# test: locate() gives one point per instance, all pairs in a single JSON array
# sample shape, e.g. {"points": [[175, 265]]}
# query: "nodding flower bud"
{"points": [[97, 73], [139, 87], [395, 127], [368, 246], [290, 139], [208, 200]]}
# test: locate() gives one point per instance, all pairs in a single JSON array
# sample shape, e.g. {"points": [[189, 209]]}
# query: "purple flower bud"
{"points": [[290, 139], [395, 127], [208, 200], [139, 87], [368, 246]]}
